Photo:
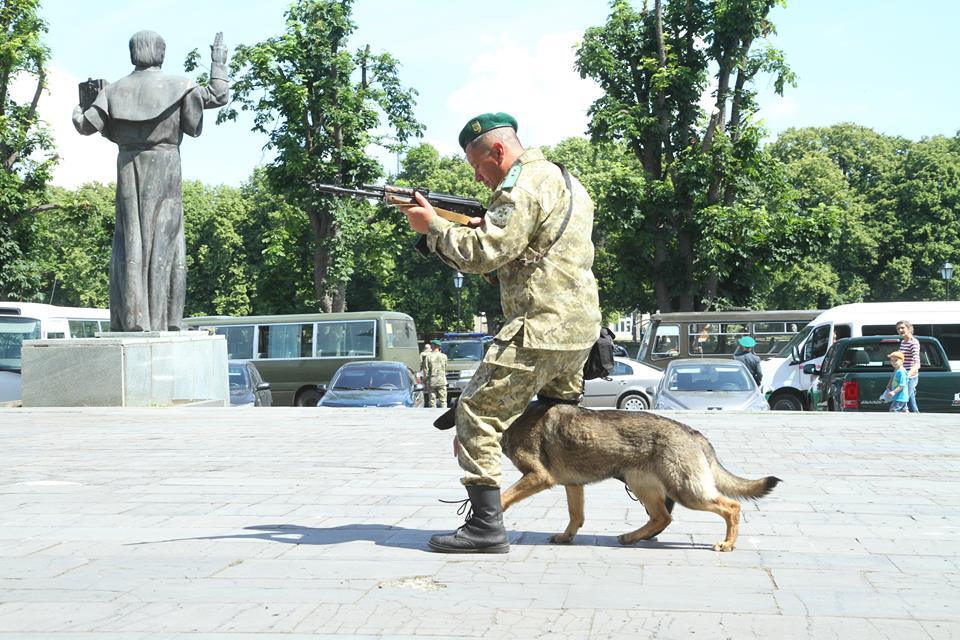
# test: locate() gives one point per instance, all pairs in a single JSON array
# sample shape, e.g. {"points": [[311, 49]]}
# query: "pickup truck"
{"points": [[856, 371]]}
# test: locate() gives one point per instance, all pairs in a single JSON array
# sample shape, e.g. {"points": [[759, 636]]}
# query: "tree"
{"points": [[69, 247], [897, 202], [219, 278], [653, 68], [26, 149], [319, 104], [390, 274]]}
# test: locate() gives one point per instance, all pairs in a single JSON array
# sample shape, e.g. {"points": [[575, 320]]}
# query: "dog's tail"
{"points": [[734, 486]]}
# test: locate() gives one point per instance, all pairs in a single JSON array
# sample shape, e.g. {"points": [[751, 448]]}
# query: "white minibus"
{"points": [[21, 321], [783, 376]]}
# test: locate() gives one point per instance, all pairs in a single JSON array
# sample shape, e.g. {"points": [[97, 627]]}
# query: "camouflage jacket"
{"points": [[436, 368], [553, 300]]}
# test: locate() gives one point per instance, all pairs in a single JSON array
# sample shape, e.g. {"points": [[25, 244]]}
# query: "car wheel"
{"points": [[786, 402], [307, 398], [633, 402]]}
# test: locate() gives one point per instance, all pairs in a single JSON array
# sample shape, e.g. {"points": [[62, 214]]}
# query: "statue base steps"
{"points": [[136, 369]]}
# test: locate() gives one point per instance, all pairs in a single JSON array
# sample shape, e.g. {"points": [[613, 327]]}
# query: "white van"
{"points": [[21, 321], [784, 375]]}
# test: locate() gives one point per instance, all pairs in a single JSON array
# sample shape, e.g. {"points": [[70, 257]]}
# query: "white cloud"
{"points": [[82, 158], [533, 81]]}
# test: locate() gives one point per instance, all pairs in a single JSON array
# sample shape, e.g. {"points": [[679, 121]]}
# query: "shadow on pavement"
{"points": [[404, 538]]}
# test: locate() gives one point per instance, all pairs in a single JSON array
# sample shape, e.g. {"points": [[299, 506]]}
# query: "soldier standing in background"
{"points": [[550, 305], [423, 360], [436, 373]]}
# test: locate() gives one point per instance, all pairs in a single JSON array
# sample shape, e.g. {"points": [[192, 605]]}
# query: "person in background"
{"points": [[751, 361], [423, 359], [910, 348], [899, 386], [436, 374]]}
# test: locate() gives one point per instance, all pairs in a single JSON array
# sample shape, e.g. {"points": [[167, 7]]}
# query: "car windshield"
{"points": [[708, 377], [469, 350], [368, 378], [795, 341], [238, 377]]}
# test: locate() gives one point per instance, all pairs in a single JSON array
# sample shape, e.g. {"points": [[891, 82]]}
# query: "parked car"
{"points": [[372, 384], [626, 389], [856, 371], [710, 384], [247, 388]]}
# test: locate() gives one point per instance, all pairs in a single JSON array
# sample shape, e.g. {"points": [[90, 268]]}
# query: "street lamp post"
{"points": [[458, 285], [946, 272]]}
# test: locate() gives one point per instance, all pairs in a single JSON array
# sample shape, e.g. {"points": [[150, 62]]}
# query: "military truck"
{"points": [[464, 353]]}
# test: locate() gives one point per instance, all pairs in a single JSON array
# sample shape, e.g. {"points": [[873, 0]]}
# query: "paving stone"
{"points": [[203, 524]]}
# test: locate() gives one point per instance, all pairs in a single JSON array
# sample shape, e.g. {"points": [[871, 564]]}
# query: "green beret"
{"points": [[479, 125], [747, 342], [436, 342]]}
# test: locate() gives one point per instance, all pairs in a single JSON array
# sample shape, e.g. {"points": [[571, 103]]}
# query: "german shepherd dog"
{"points": [[661, 461]]}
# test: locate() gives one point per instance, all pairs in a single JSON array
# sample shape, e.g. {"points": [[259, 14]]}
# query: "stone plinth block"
{"points": [[155, 368]]}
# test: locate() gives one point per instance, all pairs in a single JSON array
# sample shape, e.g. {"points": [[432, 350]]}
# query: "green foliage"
{"points": [[319, 104], [896, 203], [708, 212], [26, 150], [392, 275], [70, 247]]}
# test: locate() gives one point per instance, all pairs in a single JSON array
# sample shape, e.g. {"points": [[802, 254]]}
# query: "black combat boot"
{"points": [[483, 531]]}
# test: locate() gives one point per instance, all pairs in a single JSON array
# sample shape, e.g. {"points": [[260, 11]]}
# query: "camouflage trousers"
{"points": [[436, 395], [500, 391]]}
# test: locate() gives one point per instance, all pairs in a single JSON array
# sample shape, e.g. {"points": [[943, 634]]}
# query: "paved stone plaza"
{"points": [[307, 523]]}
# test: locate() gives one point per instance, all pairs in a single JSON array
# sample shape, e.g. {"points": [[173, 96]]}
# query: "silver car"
{"points": [[626, 389], [709, 384]]}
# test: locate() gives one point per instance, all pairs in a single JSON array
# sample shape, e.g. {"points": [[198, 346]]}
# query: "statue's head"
{"points": [[147, 49]]}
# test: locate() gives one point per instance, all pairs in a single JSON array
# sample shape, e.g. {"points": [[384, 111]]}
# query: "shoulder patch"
{"points": [[510, 180], [500, 215]]}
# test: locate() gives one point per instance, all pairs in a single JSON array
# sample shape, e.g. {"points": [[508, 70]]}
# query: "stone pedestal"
{"points": [[147, 369]]}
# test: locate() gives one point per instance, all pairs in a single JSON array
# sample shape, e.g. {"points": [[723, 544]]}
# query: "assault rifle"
{"points": [[454, 208]]}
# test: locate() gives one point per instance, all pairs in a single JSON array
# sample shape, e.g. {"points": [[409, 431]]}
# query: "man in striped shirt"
{"points": [[910, 348]]}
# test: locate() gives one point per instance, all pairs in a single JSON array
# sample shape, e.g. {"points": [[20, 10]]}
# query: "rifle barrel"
{"points": [[343, 191]]}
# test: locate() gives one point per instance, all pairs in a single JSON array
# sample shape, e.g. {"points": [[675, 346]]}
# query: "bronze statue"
{"points": [[146, 114]]}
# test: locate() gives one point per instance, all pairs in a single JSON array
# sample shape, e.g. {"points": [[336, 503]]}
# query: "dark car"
{"points": [[247, 388], [855, 373], [372, 384]]}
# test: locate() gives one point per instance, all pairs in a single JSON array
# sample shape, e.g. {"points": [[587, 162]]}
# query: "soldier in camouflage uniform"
{"points": [[550, 304], [436, 372]]}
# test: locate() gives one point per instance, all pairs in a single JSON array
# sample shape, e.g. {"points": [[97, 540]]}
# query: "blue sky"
{"points": [[887, 65]]}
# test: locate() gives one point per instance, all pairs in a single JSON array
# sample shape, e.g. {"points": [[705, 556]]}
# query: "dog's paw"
{"points": [[626, 540], [723, 546], [561, 538]]}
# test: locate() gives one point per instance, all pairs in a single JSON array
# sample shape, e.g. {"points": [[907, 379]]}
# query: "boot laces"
{"points": [[465, 508]]}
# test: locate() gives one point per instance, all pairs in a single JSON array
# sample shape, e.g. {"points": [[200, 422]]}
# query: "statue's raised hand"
{"points": [[218, 52]]}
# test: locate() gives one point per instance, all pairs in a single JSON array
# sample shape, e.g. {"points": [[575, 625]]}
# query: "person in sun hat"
{"points": [[536, 236], [745, 354]]}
